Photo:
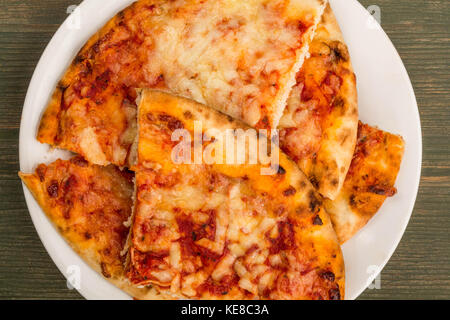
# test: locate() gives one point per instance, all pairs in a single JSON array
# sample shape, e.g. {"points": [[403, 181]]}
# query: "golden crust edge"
{"points": [[345, 231], [349, 119]]}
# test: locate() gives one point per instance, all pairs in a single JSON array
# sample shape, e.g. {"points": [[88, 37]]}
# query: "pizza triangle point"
{"points": [[369, 182], [89, 205]]}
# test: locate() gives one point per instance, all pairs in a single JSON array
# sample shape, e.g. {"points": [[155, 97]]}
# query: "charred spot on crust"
{"points": [[87, 235], [86, 69], [339, 51], [40, 171], [317, 221], [61, 86], [175, 124], [281, 170], [78, 59], [105, 272], [334, 294], [121, 14], [338, 102], [70, 183], [289, 191], [172, 122], [96, 46], [328, 275], [314, 202], [382, 190], [314, 181], [352, 200], [52, 189], [188, 115]]}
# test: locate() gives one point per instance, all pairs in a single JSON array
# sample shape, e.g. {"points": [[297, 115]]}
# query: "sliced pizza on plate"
{"points": [[319, 125], [224, 231], [370, 180], [90, 206], [197, 221], [240, 57]]}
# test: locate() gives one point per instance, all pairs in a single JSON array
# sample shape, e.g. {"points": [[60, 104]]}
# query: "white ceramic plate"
{"points": [[386, 99]]}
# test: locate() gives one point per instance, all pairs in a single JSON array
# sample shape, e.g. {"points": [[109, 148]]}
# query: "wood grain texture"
{"points": [[420, 267]]}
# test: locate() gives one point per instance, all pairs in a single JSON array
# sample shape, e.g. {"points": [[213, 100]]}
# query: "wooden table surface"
{"points": [[420, 267]]}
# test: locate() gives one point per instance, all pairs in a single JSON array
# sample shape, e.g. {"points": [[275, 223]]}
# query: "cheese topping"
{"points": [[239, 57], [215, 231]]}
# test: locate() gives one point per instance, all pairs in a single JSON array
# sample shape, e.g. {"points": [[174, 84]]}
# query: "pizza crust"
{"points": [[319, 125], [369, 183]]}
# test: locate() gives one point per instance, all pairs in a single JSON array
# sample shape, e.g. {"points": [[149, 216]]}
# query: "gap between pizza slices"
{"points": [[239, 57]]}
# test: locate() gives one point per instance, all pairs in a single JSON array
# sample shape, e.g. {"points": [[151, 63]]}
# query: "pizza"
{"points": [[87, 203], [239, 57], [224, 231], [161, 204], [319, 125], [90, 206], [370, 180]]}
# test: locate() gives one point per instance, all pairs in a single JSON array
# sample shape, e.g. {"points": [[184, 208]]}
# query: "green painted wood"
{"points": [[420, 267]]}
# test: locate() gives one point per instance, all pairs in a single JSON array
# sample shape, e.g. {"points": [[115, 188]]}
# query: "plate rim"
{"points": [[418, 173]]}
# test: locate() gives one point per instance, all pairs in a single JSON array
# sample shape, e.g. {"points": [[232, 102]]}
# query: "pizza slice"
{"points": [[90, 206], [221, 229], [239, 57], [370, 180], [319, 126]]}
